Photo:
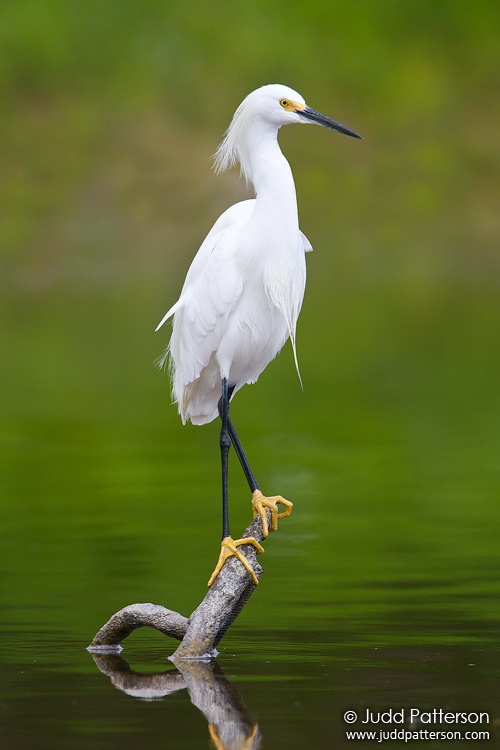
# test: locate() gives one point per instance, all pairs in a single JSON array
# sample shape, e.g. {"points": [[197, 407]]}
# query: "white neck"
{"points": [[264, 165]]}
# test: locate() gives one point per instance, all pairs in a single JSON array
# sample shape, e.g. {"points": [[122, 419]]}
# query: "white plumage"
{"points": [[244, 290]]}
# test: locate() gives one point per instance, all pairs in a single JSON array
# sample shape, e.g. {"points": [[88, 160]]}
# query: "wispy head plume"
{"points": [[231, 151]]}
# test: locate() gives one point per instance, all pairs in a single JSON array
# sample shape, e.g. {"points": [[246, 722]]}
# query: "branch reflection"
{"points": [[230, 723]]}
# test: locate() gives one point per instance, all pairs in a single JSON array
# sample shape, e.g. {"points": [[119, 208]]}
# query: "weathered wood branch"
{"points": [[202, 631], [136, 616]]}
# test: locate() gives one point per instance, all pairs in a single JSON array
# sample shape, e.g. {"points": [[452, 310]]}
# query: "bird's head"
{"points": [[269, 107], [282, 105]]}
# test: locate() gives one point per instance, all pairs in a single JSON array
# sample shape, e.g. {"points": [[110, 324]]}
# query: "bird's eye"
{"points": [[285, 103]]}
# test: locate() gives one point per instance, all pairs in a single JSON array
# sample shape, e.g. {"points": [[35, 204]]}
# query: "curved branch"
{"points": [[223, 602], [136, 616], [200, 634]]}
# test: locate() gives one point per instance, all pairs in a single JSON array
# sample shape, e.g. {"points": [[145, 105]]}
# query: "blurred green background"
{"points": [[110, 113], [391, 455]]}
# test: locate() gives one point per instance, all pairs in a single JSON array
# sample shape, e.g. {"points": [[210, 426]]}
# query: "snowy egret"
{"points": [[244, 289]]}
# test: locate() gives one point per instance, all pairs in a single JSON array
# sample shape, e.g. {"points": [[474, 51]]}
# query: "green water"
{"points": [[382, 589]]}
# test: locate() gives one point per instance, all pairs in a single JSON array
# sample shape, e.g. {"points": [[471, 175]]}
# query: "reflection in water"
{"points": [[230, 723]]}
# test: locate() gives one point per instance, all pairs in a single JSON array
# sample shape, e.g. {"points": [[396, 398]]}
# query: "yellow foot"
{"points": [[260, 503], [229, 549]]}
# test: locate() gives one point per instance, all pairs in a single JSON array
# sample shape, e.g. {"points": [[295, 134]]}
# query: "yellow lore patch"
{"points": [[291, 106]]}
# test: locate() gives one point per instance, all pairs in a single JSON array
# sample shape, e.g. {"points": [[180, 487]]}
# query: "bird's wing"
{"points": [[305, 243], [234, 216], [212, 287]]}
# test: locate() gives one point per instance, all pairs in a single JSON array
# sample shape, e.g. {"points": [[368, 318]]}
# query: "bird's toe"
{"points": [[259, 505]]}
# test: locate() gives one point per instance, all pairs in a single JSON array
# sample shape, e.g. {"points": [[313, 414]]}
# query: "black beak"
{"points": [[327, 122]]}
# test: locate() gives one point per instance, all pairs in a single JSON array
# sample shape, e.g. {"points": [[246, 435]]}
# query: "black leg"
{"points": [[225, 444], [252, 482], [260, 504], [247, 470]]}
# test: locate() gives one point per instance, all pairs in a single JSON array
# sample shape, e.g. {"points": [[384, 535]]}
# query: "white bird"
{"points": [[243, 292]]}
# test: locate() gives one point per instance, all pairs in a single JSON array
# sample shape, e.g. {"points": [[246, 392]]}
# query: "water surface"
{"points": [[380, 591]]}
